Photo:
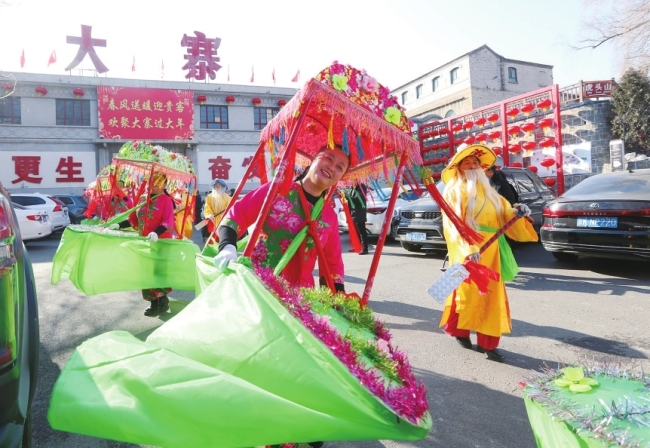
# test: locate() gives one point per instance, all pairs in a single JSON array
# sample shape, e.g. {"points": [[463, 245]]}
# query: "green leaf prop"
{"points": [[98, 261], [233, 369]]}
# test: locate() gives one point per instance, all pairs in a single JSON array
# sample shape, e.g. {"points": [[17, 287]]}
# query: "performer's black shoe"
{"points": [[157, 306], [492, 355], [316, 444], [464, 342], [163, 304], [364, 251]]}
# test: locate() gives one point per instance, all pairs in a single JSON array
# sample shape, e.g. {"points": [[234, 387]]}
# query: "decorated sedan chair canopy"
{"points": [[343, 106]]}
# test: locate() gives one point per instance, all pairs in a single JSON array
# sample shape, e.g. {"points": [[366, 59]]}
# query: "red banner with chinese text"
{"points": [[145, 114]]}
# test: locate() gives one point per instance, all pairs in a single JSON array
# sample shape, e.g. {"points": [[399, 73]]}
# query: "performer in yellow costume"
{"points": [[216, 203], [469, 193]]}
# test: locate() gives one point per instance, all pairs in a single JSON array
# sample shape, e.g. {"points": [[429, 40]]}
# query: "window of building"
{"points": [[434, 83], [405, 97], [10, 110], [213, 117], [73, 112], [450, 113], [512, 74], [453, 75], [418, 91], [262, 115]]}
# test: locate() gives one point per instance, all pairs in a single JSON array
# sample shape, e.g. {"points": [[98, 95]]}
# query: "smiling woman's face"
{"points": [[328, 168]]}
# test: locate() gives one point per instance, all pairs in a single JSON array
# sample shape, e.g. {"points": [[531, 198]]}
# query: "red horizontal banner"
{"points": [[145, 114]]}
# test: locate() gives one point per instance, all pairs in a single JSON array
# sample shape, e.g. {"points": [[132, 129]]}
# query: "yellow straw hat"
{"points": [[486, 158]]}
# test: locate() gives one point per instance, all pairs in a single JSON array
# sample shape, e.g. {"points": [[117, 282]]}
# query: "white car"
{"points": [[377, 204], [33, 224], [57, 210]]}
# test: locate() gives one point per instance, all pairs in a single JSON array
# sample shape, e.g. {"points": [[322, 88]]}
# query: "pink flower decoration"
{"points": [[383, 345], [369, 84]]}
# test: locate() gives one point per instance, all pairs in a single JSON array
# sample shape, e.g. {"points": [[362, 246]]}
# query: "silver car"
{"points": [[420, 222]]}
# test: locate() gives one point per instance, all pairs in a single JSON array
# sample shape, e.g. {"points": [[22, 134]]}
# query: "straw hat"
{"points": [[486, 158]]}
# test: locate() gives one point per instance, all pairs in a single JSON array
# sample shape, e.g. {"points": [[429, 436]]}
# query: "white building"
{"points": [[53, 140], [475, 79]]}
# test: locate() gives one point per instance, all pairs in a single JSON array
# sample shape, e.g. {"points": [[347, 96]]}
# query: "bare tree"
{"points": [[625, 24]]}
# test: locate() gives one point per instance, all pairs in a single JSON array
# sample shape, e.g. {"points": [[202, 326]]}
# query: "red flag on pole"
{"points": [[162, 68], [22, 59], [252, 73], [273, 75], [133, 65], [297, 77], [52, 59], [228, 72]]}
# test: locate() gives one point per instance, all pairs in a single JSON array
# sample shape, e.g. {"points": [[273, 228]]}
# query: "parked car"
{"points": [[420, 222], [33, 224], [77, 206], [19, 331], [606, 215], [57, 210]]}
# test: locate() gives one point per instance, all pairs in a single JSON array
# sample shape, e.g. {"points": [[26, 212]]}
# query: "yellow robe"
{"points": [[490, 313], [189, 219], [216, 204]]}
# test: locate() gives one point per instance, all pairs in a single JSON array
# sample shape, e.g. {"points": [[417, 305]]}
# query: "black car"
{"points": [[420, 222], [606, 215], [19, 332], [77, 206]]}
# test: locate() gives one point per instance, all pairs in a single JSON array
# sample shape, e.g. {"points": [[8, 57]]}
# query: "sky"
{"points": [[395, 41]]}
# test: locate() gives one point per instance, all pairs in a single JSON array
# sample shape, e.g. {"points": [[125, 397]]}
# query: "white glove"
{"points": [[210, 216], [114, 227], [153, 237], [525, 210], [475, 257], [225, 256]]}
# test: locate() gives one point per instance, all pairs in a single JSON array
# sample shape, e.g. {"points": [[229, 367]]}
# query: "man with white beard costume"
{"points": [[469, 193]]}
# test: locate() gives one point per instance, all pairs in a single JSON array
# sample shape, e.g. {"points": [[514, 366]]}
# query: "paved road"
{"points": [[594, 310]]}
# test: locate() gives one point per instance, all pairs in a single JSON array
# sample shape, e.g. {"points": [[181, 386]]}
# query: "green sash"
{"points": [[509, 268]]}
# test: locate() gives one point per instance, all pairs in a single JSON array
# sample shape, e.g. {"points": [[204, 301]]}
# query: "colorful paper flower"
{"points": [[392, 115], [369, 84], [574, 378], [340, 82]]}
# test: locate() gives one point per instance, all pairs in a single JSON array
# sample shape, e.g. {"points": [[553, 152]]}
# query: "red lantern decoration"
{"points": [[514, 148], [532, 168], [458, 142], [544, 104], [513, 131], [443, 131], [456, 128], [470, 140], [482, 137], [444, 159], [481, 121], [512, 113], [516, 165], [436, 175], [528, 146], [282, 102], [528, 127], [546, 123], [201, 99], [527, 108], [493, 118], [230, 99], [468, 125], [550, 181], [547, 162], [444, 145], [497, 150], [78, 92], [40, 91], [435, 146], [547, 142], [495, 135], [256, 101], [7, 86]]}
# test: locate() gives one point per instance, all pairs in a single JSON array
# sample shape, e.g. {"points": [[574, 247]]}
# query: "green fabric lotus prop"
{"points": [[235, 368], [98, 260], [574, 379]]}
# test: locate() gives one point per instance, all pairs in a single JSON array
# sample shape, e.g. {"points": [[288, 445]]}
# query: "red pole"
{"points": [[384, 230], [504, 134], [289, 154], [558, 140]]}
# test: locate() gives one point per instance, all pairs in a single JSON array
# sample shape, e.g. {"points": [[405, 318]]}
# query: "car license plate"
{"points": [[45, 219], [609, 223], [416, 237], [65, 212]]}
